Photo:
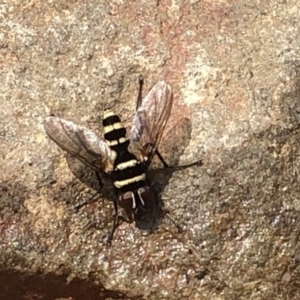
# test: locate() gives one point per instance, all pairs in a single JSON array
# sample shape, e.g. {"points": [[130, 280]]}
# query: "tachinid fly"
{"points": [[124, 159]]}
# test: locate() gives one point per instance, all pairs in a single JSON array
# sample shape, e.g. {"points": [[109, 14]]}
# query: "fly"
{"points": [[124, 159]]}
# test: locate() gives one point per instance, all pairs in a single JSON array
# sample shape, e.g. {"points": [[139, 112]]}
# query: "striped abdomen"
{"points": [[129, 174]]}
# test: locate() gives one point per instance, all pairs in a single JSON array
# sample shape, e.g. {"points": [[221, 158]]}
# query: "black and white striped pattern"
{"points": [[123, 160], [129, 174]]}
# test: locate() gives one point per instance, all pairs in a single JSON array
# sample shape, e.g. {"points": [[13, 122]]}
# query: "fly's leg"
{"points": [[117, 219], [150, 145], [166, 214], [93, 198], [196, 163], [161, 159], [140, 93]]}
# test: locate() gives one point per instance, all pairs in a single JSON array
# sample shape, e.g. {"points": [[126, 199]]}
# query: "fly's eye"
{"points": [[127, 201]]}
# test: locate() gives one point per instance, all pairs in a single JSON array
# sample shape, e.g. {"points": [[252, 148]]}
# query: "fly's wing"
{"points": [[150, 120], [173, 144], [80, 142]]}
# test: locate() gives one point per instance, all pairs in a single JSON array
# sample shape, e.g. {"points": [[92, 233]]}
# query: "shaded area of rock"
{"points": [[18, 286]]}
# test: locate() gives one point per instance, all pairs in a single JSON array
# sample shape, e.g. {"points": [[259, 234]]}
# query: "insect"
{"points": [[123, 159]]}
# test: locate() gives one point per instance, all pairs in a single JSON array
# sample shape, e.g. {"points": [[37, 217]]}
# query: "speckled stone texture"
{"points": [[234, 68]]}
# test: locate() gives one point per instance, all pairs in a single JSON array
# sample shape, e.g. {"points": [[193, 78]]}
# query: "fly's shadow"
{"points": [[163, 165]]}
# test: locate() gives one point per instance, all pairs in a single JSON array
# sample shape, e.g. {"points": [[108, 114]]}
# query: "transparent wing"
{"points": [[150, 120], [173, 143], [81, 142]]}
